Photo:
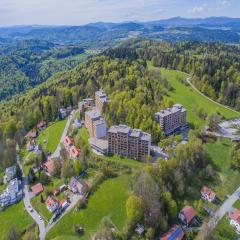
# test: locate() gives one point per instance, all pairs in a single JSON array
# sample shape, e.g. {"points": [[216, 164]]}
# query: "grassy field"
{"points": [[52, 135], [224, 231], [41, 207], [109, 200], [228, 180], [190, 98], [14, 216]]}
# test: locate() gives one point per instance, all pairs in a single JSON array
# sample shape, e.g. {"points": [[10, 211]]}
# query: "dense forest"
{"points": [[214, 67], [135, 92], [27, 63]]}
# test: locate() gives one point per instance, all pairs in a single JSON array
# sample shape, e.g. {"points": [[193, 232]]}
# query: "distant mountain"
{"points": [[102, 35]]}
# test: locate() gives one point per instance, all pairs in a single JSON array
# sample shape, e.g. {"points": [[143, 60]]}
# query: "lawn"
{"points": [[109, 200], [191, 99], [41, 207], [224, 231], [219, 152], [237, 204], [52, 135], [14, 216]]}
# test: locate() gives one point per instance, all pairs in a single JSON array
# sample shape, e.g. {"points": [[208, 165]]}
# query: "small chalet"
{"points": [[77, 123], [42, 125], [51, 204], [77, 186], [49, 166], [31, 134], [187, 215], [74, 152], [37, 189], [62, 112], [175, 233], [31, 145], [38, 149], [234, 218], [208, 194], [68, 141]]}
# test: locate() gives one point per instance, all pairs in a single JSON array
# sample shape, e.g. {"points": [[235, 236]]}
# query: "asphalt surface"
{"points": [[56, 154], [28, 206]]}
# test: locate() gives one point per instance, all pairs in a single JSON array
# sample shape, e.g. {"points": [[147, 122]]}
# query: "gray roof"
{"points": [[138, 133], [93, 114], [174, 109], [102, 96], [100, 121]]}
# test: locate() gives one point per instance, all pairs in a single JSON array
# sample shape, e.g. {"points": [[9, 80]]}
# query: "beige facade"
{"points": [[100, 99], [127, 142], [172, 119]]}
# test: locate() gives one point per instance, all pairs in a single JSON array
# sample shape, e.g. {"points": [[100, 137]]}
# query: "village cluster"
{"points": [[118, 139]]}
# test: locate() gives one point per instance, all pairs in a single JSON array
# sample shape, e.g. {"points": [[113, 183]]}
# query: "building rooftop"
{"points": [[100, 121], [93, 114], [102, 96], [138, 133], [175, 108]]}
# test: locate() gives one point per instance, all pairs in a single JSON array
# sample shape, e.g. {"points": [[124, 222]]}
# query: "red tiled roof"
{"points": [[42, 124], [74, 152], [68, 141], [49, 165], [31, 134], [38, 188], [175, 233], [189, 213], [51, 201], [211, 194], [235, 215]]}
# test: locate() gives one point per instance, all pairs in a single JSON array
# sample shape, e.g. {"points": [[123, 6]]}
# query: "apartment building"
{"points": [[172, 119], [100, 99], [127, 142], [95, 124]]}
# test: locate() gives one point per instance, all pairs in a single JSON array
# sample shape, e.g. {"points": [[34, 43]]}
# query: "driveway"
{"points": [[226, 206], [56, 154]]}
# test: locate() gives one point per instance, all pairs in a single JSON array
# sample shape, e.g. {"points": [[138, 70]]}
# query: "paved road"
{"points": [[56, 154], [219, 104], [225, 207], [27, 203]]}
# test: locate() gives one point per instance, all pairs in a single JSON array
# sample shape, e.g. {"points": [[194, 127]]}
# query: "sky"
{"points": [[78, 12]]}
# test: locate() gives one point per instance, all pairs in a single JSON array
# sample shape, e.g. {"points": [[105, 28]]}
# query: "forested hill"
{"points": [[215, 68], [103, 35], [27, 63]]}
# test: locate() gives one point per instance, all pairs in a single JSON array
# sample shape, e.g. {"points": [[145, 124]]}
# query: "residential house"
{"points": [[51, 204], [234, 218], [68, 142], [10, 173], [77, 186], [208, 194], [74, 152], [49, 166], [175, 233], [32, 134], [37, 188], [187, 215], [42, 125], [63, 113], [85, 103], [12, 194], [38, 149], [31, 145]]}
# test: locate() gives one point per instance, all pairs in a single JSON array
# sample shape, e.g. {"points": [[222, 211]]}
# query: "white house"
{"points": [[52, 204], [10, 173], [208, 194], [234, 218]]}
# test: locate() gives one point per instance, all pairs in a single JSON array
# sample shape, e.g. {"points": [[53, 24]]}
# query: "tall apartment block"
{"points": [[95, 124], [100, 99], [127, 142], [172, 119]]}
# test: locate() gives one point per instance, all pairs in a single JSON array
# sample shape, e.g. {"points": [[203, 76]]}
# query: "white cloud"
{"points": [[199, 9], [224, 3]]}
